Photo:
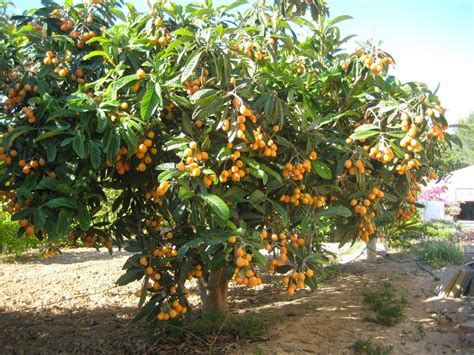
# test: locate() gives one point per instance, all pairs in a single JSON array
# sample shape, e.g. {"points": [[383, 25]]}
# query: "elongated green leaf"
{"points": [[132, 274], [217, 205], [78, 143], [83, 216], [190, 65], [16, 133], [335, 211], [204, 97], [95, 154], [64, 221], [194, 243], [322, 169], [118, 84], [151, 101], [366, 127], [61, 202], [364, 134]]}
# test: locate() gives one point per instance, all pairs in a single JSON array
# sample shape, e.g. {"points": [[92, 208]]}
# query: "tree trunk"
{"points": [[372, 250], [214, 292]]}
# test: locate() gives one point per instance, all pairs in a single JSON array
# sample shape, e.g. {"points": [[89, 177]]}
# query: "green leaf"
{"points": [[194, 243], [204, 97], [190, 65], [169, 174], [281, 211], [259, 258], [217, 205], [50, 134], [61, 202], [83, 216], [118, 84], [64, 221], [112, 144], [97, 54], [78, 143], [132, 274], [55, 185], [366, 127], [39, 219], [95, 154], [151, 100], [16, 133], [322, 169], [364, 134], [335, 211]]}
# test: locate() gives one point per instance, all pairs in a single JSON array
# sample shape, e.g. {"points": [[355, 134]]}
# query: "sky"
{"points": [[432, 41]]}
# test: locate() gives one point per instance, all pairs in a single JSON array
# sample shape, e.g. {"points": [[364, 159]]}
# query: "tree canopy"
{"points": [[231, 141]]}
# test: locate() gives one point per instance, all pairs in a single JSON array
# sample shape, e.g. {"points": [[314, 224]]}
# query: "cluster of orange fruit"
{"points": [[407, 211], [246, 276], [195, 272], [407, 164], [164, 38], [375, 61], [354, 167], [195, 85], [29, 113], [296, 280], [144, 152], [17, 94], [383, 154], [366, 209], [27, 227], [66, 24], [269, 148], [27, 167], [154, 222], [90, 240], [243, 110], [299, 196], [158, 193], [121, 164], [436, 131], [236, 172], [154, 276], [61, 69], [78, 76], [249, 48], [82, 38], [242, 258], [193, 160], [165, 251], [280, 259], [297, 171], [175, 311]]}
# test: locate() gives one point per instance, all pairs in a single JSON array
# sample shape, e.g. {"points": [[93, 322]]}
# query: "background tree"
{"points": [[230, 142]]}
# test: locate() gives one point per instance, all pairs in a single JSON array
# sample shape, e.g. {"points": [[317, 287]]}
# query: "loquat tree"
{"points": [[230, 139]]}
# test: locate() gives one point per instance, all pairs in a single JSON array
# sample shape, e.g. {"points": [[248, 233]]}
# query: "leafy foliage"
{"points": [[223, 134]]}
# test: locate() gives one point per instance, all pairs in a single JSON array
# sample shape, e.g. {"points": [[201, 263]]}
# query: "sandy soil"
{"points": [[69, 304]]}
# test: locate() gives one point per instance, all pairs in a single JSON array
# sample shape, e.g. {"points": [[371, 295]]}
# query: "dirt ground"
{"points": [[69, 304]]}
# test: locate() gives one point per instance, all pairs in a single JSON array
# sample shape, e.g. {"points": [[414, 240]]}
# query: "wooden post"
{"points": [[372, 250]]}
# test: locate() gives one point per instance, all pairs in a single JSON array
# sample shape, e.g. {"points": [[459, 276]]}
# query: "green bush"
{"points": [[10, 243], [386, 303], [440, 252], [369, 348]]}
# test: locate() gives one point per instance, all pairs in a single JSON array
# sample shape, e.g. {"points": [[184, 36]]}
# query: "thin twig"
{"points": [[190, 333], [218, 333]]}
